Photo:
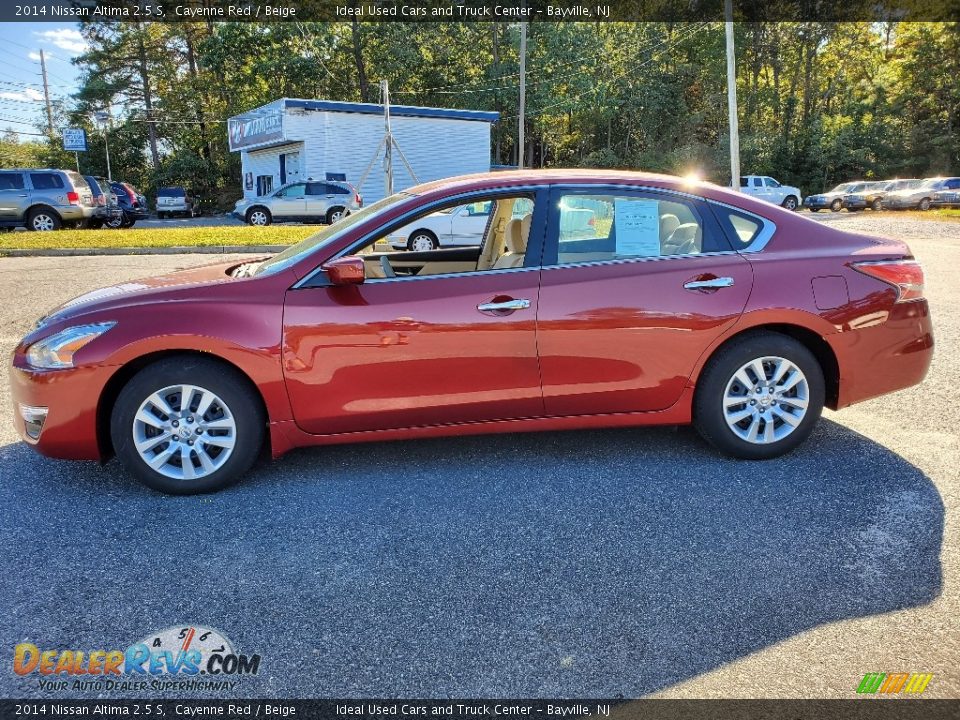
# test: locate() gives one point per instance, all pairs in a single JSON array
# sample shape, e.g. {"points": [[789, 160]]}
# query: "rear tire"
{"points": [[814, 209], [43, 220], [790, 412], [334, 214], [924, 204], [836, 206], [877, 205], [220, 442], [422, 241]]}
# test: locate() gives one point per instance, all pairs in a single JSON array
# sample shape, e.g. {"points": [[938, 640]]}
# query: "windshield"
{"points": [[327, 235]]}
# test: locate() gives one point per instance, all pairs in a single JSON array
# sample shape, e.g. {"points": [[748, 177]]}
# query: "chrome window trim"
{"points": [[401, 220], [759, 242], [440, 276]]}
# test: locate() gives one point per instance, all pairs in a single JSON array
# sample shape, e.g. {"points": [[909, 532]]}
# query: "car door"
{"points": [[411, 351], [625, 315], [318, 199], [289, 201], [13, 196], [774, 192]]}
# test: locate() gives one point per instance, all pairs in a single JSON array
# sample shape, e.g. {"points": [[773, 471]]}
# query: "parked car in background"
{"points": [[919, 197], [865, 195], [832, 199], [695, 304], [45, 199], [949, 193], [450, 227], [766, 188], [312, 201], [174, 201], [133, 206], [105, 199]]}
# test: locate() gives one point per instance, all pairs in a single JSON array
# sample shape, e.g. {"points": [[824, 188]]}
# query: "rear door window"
{"points": [[46, 181], [11, 181]]}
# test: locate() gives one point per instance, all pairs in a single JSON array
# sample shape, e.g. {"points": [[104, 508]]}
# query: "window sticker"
{"points": [[637, 226]]}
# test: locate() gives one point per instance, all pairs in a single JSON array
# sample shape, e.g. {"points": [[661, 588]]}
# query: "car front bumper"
{"points": [[66, 401]]}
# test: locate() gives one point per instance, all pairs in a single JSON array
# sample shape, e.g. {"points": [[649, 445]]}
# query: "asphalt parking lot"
{"points": [[580, 564]]}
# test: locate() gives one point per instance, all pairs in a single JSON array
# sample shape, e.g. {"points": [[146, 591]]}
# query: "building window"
{"points": [[264, 185]]}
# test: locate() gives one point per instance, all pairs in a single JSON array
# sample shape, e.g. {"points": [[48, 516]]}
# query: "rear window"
{"points": [[742, 229], [94, 185], [11, 181], [46, 181], [171, 192]]}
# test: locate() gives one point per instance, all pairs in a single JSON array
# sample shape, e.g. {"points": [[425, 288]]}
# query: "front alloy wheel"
{"points": [[184, 432], [187, 425]]}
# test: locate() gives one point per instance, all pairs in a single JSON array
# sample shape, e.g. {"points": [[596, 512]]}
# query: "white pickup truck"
{"points": [[766, 188]]}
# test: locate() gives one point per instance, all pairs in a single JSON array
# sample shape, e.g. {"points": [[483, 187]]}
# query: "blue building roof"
{"points": [[398, 110]]}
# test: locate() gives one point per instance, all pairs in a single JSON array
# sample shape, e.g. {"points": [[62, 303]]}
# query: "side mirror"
{"points": [[349, 270]]}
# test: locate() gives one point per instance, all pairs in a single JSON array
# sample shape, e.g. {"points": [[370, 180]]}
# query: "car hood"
{"points": [[139, 291]]}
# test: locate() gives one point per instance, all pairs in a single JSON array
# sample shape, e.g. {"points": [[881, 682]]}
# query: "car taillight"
{"points": [[73, 197], [905, 275], [358, 199], [101, 200]]}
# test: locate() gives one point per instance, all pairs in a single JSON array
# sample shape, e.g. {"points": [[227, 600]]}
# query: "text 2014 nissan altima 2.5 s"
{"points": [[676, 303]]}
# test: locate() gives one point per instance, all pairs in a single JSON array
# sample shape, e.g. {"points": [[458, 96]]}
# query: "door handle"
{"points": [[709, 284], [520, 304]]}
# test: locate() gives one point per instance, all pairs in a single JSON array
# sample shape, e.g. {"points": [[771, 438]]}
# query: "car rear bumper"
{"points": [[67, 400], [890, 355]]}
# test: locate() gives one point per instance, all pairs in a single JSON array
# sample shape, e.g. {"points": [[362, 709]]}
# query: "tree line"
{"points": [[819, 103]]}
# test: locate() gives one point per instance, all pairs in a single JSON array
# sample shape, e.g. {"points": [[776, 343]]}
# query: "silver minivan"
{"points": [[45, 199]]}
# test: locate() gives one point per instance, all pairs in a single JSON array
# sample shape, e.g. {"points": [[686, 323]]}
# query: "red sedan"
{"points": [[590, 299]]}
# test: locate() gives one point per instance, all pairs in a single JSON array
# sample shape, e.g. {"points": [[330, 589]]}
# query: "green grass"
{"points": [[158, 237], [952, 214]]}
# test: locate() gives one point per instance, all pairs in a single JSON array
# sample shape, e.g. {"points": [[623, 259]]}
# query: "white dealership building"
{"points": [[292, 139]]}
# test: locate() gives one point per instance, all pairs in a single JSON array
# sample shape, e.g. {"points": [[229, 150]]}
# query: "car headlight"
{"points": [[57, 351]]}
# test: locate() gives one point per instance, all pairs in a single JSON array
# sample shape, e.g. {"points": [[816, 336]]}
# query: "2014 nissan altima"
{"points": [[676, 303]]}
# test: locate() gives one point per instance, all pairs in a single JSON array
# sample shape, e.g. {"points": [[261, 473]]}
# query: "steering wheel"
{"points": [[387, 267]]}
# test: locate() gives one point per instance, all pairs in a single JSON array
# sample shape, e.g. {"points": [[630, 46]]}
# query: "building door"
{"points": [[289, 167]]}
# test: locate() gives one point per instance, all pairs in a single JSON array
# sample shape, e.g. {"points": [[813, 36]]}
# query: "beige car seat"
{"points": [[668, 223], [515, 235], [683, 241]]}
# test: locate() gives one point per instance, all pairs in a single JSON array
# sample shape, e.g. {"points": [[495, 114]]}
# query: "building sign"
{"points": [[75, 139], [248, 130]]}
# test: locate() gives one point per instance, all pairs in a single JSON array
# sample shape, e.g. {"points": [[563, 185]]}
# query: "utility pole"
{"points": [[388, 151], [46, 93], [523, 92], [732, 98]]}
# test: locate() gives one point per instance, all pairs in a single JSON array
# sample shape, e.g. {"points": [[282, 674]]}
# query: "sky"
{"points": [[21, 86]]}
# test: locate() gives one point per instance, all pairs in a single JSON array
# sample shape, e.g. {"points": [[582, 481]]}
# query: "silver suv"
{"points": [[44, 199], [311, 201]]}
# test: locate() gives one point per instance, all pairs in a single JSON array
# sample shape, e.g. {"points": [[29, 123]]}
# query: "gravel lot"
{"points": [[586, 564]]}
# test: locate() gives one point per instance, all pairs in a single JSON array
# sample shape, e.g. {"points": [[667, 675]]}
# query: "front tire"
{"points": [[790, 202], [759, 397], [187, 425], [422, 241], [877, 205], [836, 206], [259, 217], [924, 204]]}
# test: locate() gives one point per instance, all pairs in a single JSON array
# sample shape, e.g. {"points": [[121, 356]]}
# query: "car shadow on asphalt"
{"points": [[577, 564]]}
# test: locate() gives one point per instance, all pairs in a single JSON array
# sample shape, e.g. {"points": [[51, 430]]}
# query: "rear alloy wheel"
{"points": [[187, 425], [790, 202], [335, 214], [43, 221], [422, 241], [836, 205], [876, 205], [925, 204], [759, 397], [259, 217]]}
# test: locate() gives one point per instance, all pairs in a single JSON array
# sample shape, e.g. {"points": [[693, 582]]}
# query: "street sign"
{"points": [[75, 139]]}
